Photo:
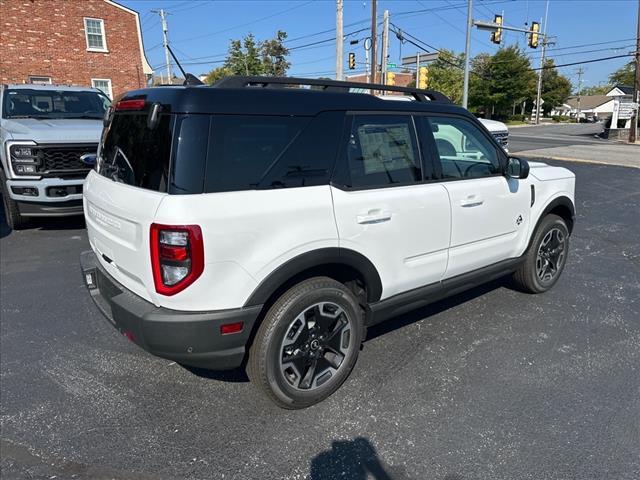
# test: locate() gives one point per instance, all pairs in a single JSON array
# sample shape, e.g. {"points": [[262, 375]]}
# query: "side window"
{"points": [[243, 148], [463, 149], [382, 150], [309, 159]]}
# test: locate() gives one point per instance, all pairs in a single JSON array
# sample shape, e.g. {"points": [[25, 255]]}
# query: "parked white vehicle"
{"points": [[271, 226], [48, 140]]}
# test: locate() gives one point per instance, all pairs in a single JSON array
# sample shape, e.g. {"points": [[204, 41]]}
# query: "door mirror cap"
{"points": [[517, 168]]}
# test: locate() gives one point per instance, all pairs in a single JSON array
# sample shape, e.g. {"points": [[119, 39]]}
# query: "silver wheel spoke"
{"points": [[315, 345]]}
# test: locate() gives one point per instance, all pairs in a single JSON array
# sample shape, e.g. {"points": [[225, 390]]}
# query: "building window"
{"points": [[39, 80], [94, 30], [103, 84]]}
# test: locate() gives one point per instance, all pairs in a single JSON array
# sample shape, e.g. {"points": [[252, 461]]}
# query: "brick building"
{"points": [[402, 79], [77, 42]]}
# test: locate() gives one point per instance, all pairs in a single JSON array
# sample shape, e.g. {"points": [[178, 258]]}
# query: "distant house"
{"points": [[81, 42], [598, 106]]}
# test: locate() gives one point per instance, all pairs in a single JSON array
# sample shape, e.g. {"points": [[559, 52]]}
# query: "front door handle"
{"points": [[374, 216], [472, 201]]}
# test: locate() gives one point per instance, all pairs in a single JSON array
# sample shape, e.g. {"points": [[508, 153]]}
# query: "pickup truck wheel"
{"points": [[546, 257], [11, 211], [307, 343]]}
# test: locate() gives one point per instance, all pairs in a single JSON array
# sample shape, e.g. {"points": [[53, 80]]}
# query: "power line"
{"points": [[244, 24]]}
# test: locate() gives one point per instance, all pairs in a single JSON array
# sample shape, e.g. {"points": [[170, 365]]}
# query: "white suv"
{"points": [[242, 224]]}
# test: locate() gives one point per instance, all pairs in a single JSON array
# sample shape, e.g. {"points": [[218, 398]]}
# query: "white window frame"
{"points": [[103, 32], [40, 79], [108, 80]]}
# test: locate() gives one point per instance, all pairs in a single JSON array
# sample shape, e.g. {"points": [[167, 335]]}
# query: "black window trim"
{"points": [[502, 155], [349, 117]]}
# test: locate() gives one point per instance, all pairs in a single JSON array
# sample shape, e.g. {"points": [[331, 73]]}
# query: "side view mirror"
{"points": [[517, 168]]}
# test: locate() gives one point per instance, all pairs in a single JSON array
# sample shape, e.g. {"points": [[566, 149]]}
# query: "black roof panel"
{"points": [[277, 101]]}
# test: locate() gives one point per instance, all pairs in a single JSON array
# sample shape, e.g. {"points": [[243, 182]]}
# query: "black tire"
{"points": [[11, 211], [528, 277], [283, 334]]}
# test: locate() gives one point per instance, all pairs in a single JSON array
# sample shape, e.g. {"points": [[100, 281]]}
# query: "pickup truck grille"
{"points": [[64, 160], [502, 138]]}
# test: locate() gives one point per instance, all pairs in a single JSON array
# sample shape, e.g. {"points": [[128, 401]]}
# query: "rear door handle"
{"points": [[374, 216], [472, 201]]}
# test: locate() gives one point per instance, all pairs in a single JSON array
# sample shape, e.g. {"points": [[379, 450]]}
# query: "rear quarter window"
{"points": [[249, 152]]}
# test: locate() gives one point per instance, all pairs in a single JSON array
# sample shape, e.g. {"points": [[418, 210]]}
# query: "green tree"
{"points": [[625, 75], [244, 57], [251, 57], [274, 55], [556, 88], [479, 87], [503, 80], [601, 89], [216, 74], [446, 75]]}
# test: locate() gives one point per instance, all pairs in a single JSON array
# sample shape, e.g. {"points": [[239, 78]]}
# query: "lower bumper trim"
{"points": [[190, 338]]}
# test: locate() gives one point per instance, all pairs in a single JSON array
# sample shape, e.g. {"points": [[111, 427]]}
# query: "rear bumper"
{"points": [[190, 338]]}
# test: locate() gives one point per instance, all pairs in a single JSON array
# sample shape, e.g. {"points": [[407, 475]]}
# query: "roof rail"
{"points": [[327, 86]]}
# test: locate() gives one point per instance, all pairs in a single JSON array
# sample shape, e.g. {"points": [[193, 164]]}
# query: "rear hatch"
{"points": [[134, 172]]}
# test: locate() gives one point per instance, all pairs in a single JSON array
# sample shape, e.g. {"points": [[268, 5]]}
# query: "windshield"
{"points": [[37, 103]]}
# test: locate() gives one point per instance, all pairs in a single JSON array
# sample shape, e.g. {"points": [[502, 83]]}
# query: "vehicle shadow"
{"points": [[61, 223], [45, 223], [355, 459], [436, 308], [238, 375], [4, 228]]}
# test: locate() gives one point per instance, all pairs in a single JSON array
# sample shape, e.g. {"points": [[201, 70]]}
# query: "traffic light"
{"points": [[352, 61], [423, 77], [496, 37], [534, 36], [390, 78]]}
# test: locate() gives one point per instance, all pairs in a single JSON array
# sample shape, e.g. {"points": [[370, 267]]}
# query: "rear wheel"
{"points": [[546, 257], [10, 206], [307, 343]]}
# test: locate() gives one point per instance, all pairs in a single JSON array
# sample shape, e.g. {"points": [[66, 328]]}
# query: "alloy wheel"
{"points": [[551, 255], [315, 346]]}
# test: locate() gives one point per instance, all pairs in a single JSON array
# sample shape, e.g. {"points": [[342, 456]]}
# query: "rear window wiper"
{"points": [[93, 117]]}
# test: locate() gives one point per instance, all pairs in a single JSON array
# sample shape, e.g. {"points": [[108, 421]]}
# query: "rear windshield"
{"points": [[134, 154]]}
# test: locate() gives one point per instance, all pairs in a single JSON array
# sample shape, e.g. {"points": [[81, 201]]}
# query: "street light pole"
{"points": [[544, 46], [165, 41], [385, 47], [467, 54], [339, 41], [374, 38], [636, 88]]}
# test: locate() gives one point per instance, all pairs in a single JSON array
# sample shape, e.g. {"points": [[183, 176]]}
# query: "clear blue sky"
{"points": [[200, 30]]}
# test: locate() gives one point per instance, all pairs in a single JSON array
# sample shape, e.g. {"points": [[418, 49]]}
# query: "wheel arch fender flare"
{"points": [[315, 259], [563, 203]]}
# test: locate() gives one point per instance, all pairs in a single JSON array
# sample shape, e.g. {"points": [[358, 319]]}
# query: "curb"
{"points": [[577, 160]]}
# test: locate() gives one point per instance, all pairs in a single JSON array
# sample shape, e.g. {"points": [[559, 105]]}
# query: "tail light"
{"points": [[177, 256]]}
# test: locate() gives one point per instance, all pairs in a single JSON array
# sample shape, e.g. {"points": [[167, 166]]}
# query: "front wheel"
{"points": [[546, 257], [10, 206], [307, 343]]}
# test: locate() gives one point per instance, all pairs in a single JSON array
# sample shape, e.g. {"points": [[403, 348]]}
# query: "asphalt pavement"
{"points": [[490, 384], [554, 135]]}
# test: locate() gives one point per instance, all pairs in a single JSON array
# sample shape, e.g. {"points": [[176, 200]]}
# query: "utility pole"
{"points": [[374, 39], [165, 41], [579, 71], [339, 40], [544, 46], [636, 88], [467, 54], [385, 47]]}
